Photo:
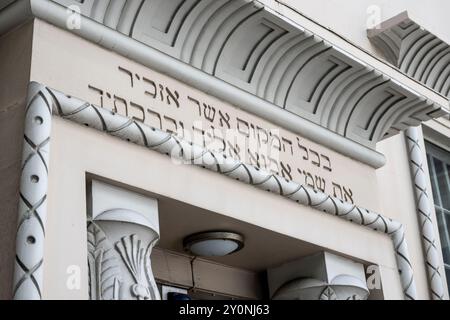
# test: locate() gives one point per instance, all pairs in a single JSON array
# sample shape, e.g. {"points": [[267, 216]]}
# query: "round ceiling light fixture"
{"points": [[213, 243]]}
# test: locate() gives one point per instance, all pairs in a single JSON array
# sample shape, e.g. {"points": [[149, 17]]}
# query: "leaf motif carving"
{"points": [[355, 297], [104, 270], [154, 292], [134, 256], [328, 294]]}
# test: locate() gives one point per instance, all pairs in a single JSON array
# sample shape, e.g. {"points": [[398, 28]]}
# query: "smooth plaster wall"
{"points": [[349, 17], [15, 58]]}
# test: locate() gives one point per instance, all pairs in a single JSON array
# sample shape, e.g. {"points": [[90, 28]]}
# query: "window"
{"points": [[439, 166]]}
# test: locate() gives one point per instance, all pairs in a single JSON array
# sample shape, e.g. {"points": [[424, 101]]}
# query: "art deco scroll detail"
{"points": [[137, 258], [120, 242], [130, 130], [424, 213], [415, 51]]}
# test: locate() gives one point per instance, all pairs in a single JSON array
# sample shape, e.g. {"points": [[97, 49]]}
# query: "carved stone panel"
{"points": [[122, 230], [323, 276], [119, 261]]}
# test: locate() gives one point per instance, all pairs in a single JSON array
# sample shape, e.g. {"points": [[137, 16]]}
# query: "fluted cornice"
{"points": [[415, 50], [255, 59], [240, 42]]}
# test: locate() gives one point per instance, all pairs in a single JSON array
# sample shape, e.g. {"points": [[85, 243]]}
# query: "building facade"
{"points": [[231, 149]]}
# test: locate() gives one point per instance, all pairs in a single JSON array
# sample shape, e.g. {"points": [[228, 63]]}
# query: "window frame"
{"points": [[436, 151]]}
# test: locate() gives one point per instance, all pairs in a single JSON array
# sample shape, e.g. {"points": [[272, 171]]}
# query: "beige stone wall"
{"points": [[15, 53]]}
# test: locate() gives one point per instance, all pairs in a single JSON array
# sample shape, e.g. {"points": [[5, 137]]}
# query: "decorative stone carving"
{"points": [[416, 51], [108, 264], [278, 61], [333, 98], [120, 242], [312, 289], [137, 260], [133, 131], [323, 276], [328, 294], [424, 213], [104, 270], [425, 57], [28, 275]]}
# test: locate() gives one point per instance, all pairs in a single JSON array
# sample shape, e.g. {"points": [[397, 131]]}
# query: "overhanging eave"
{"points": [[283, 73], [414, 50]]}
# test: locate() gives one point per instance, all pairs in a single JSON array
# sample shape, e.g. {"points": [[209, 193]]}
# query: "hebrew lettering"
{"points": [[224, 119], [217, 127]]}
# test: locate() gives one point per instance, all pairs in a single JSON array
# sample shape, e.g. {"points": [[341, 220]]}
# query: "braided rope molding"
{"points": [[415, 51], [28, 271], [424, 211], [42, 100]]}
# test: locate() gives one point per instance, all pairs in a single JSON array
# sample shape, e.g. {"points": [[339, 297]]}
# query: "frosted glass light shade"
{"points": [[213, 244], [214, 248]]}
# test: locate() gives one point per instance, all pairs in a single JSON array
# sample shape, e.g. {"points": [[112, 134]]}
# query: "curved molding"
{"points": [[424, 213], [130, 216], [41, 98], [284, 74], [415, 51]]}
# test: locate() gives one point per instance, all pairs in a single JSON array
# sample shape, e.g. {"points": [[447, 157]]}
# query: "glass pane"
{"points": [[443, 183], [447, 235], [439, 167], [447, 274], [434, 185], [445, 186], [444, 224]]}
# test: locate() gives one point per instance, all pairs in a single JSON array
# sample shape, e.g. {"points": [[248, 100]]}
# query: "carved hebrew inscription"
{"points": [[220, 128]]}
